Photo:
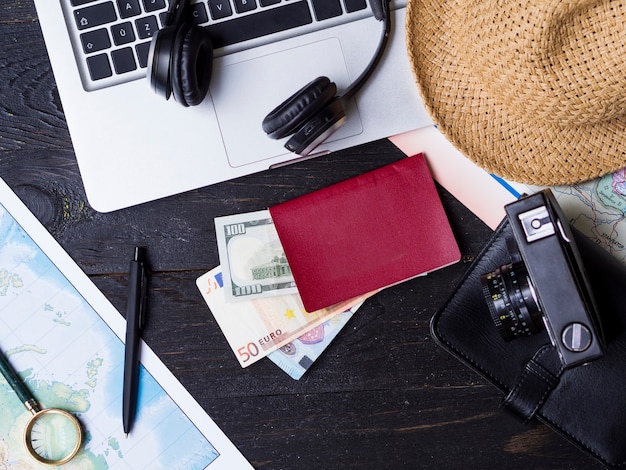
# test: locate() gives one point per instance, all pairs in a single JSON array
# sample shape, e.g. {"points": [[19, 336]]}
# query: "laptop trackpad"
{"points": [[255, 86]]}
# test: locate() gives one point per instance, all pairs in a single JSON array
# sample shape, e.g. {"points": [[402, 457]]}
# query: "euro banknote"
{"points": [[256, 327], [297, 356]]}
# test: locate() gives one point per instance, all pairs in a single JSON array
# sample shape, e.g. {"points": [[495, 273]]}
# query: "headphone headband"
{"points": [[381, 12], [175, 13], [314, 113]]}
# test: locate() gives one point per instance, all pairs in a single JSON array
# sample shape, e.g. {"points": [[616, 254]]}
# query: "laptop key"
{"points": [[198, 13], [146, 27], [129, 8], [95, 40], [219, 9], [242, 6], [325, 9], [142, 50], [153, 5], [99, 67], [260, 24], [355, 5], [95, 15], [122, 33], [123, 60]]}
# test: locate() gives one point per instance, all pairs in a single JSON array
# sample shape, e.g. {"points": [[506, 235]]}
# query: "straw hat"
{"points": [[534, 90]]}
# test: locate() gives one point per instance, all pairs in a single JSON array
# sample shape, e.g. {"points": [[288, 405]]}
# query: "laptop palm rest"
{"points": [[255, 86]]}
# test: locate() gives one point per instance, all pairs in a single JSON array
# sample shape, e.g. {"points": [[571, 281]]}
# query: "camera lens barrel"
{"points": [[512, 301]]}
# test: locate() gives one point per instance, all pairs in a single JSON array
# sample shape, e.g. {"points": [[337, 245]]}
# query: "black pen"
{"points": [[135, 321]]}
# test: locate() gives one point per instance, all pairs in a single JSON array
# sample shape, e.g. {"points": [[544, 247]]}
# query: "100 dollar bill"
{"points": [[252, 258], [254, 328]]}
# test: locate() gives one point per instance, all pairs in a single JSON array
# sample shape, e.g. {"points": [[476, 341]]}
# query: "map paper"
{"points": [[598, 209], [63, 338]]}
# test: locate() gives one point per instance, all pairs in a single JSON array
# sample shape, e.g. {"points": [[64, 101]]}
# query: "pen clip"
{"points": [[143, 296]]}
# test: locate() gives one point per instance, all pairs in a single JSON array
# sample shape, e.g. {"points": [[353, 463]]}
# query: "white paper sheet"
{"points": [[64, 338]]}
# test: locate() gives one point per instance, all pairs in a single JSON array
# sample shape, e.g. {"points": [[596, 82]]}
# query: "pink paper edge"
{"points": [[466, 181]]}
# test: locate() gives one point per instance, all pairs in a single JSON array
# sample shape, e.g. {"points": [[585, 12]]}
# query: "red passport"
{"points": [[365, 233]]}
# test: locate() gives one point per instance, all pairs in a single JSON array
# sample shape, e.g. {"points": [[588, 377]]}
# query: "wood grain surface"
{"points": [[383, 395]]}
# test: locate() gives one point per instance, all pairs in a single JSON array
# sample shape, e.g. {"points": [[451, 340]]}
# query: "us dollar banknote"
{"points": [[252, 258]]}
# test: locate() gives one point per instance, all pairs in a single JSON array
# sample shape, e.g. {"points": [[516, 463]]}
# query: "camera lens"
{"points": [[512, 301]]}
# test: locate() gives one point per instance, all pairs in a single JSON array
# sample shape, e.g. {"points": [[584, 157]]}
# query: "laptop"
{"points": [[133, 146]]}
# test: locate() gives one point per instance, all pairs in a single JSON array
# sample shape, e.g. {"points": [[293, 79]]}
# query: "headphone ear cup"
{"points": [[192, 64], [299, 108], [159, 58], [317, 129]]}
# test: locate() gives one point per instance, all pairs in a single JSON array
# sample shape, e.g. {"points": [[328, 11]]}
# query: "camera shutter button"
{"points": [[576, 337]]}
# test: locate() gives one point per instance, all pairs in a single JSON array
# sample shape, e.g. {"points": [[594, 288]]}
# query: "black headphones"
{"points": [[180, 62], [315, 111]]}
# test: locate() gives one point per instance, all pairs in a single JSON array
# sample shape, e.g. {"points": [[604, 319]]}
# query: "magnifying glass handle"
{"points": [[17, 385]]}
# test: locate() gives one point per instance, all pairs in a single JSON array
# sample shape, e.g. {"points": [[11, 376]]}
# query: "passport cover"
{"points": [[365, 233]]}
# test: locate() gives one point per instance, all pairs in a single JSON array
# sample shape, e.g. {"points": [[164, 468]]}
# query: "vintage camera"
{"points": [[546, 283]]}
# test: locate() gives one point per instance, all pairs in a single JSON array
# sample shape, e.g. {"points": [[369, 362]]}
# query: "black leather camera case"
{"points": [[587, 403]]}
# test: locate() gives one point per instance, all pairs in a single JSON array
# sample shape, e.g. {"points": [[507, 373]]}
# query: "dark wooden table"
{"points": [[384, 395]]}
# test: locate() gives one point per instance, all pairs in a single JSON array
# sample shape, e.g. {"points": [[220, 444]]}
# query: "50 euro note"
{"points": [[256, 327]]}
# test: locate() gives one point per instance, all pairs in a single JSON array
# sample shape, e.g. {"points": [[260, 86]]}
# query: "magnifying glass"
{"points": [[52, 436]]}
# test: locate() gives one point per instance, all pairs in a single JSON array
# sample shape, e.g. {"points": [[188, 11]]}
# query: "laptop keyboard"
{"points": [[111, 38]]}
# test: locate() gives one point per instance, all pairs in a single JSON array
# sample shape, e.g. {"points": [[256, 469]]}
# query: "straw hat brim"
{"points": [[474, 79]]}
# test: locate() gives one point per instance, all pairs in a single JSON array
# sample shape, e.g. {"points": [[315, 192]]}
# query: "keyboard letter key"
{"points": [[122, 33], [129, 8], [219, 9], [146, 27]]}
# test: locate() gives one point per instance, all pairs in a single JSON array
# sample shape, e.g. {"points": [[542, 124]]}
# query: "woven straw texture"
{"points": [[533, 91]]}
